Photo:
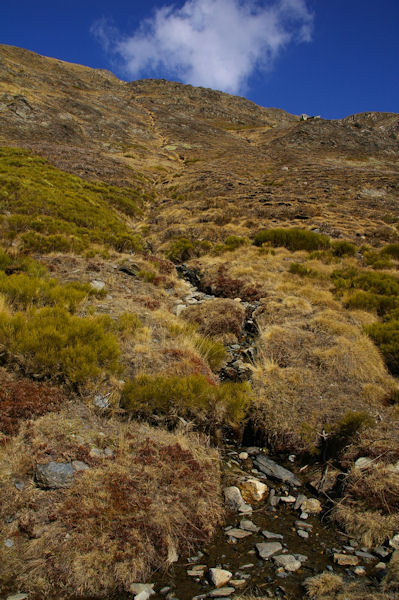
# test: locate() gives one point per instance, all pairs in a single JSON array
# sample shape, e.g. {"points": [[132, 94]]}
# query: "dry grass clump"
{"points": [[329, 586], [218, 317], [21, 399], [156, 493], [314, 365]]}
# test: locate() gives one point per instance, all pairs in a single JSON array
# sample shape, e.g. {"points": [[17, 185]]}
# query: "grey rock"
{"points": [[221, 592], [97, 285], [303, 534], [269, 535], [238, 533], [142, 591], [178, 309], [273, 499], [266, 550], [19, 484], [55, 475], [101, 401], [78, 465], [364, 555], [219, 577], [382, 552], [288, 562], [253, 450], [235, 501], [249, 526], [9, 543], [18, 597], [301, 557], [272, 469], [299, 501], [303, 525], [394, 542]]}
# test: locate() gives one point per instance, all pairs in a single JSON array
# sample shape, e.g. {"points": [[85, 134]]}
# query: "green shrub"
{"points": [[51, 343], [180, 250], [191, 397], [378, 303], [302, 270], [214, 352], [377, 260], [55, 211], [344, 430], [232, 242], [391, 250], [293, 239], [343, 248], [386, 336], [147, 276]]}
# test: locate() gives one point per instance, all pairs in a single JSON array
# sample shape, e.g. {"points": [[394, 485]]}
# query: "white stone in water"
{"points": [[142, 591], [221, 592], [249, 526], [303, 534], [266, 550], [238, 533], [288, 499], [243, 455], [219, 577]]}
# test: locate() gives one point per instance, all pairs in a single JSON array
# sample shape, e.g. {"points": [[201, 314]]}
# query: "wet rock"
{"points": [[249, 526], [288, 562], [382, 552], [55, 475], [238, 533], [380, 566], [346, 560], [267, 549], [364, 555], [243, 455], [303, 525], [235, 501], [142, 591], [221, 592], [303, 534], [19, 484], [269, 535], [219, 577], [301, 557], [253, 490], [311, 506], [299, 501], [272, 469]]}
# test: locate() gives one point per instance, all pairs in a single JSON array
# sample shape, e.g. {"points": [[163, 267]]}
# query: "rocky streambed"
{"points": [[275, 536]]}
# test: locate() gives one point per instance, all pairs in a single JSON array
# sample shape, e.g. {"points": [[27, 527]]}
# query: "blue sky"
{"points": [[328, 57]]}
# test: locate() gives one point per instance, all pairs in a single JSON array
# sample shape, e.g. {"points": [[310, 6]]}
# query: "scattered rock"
{"points": [[267, 549], [303, 534], [79, 465], [219, 577], [272, 469], [299, 501], [235, 501], [221, 592], [55, 475], [253, 490], [311, 506], [249, 526], [19, 484], [303, 525], [382, 552], [346, 560], [269, 535], [394, 542], [243, 455], [273, 499], [253, 450], [142, 591], [359, 571], [238, 533], [288, 499], [288, 562], [9, 543], [18, 597], [364, 462], [364, 555], [238, 583], [97, 285]]}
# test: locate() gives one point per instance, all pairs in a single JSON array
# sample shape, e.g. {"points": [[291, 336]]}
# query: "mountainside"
{"points": [[194, 291]]}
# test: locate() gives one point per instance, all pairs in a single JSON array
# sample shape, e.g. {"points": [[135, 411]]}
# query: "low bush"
{"points": [[214, 352], [216, 317], [343, 248], [302, 270], [191, 397], [386, 336], [182, 249], [221, 284], [371, 302], [52, 343], [293, 239]]}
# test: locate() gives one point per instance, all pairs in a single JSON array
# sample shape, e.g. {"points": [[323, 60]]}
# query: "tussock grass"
{"points": [[120, 520], [218, 317]]}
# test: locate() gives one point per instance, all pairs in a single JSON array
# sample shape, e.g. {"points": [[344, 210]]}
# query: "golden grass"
{"points": [[119, 520]]}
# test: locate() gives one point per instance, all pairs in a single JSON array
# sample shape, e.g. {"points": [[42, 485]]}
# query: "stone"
{"points": [[364, 555], [394, 542], [288, 499], [380, 566], [303, 525], [364, 462], [19, 484], [253, 490], [288, 562], [269, 535], [97, 285], [101, 401], [299, 501], [238, 583], [253, 450], [303, 534], [55, 475], [243, 455], [178, 309], [301, 557], [79, 465], [238, 533], [382, 552], [96, 453], [221, 592], [142, 591], [359, 571], [193, 573], [311, 506], [304, 515], [346, 560], [273, 499], [235, 501], [249, 526], [272, 469], [9, 543], [20, 596], [266, 550], [219, 577]]}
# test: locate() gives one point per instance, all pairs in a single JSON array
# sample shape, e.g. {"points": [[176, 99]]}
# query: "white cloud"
{"points": [[213, 43]]}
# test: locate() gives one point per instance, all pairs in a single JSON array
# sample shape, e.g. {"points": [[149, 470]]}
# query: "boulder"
{"points": [[253, 490], [55, 475], [346, 560], [249, 526], [272, 469]]}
